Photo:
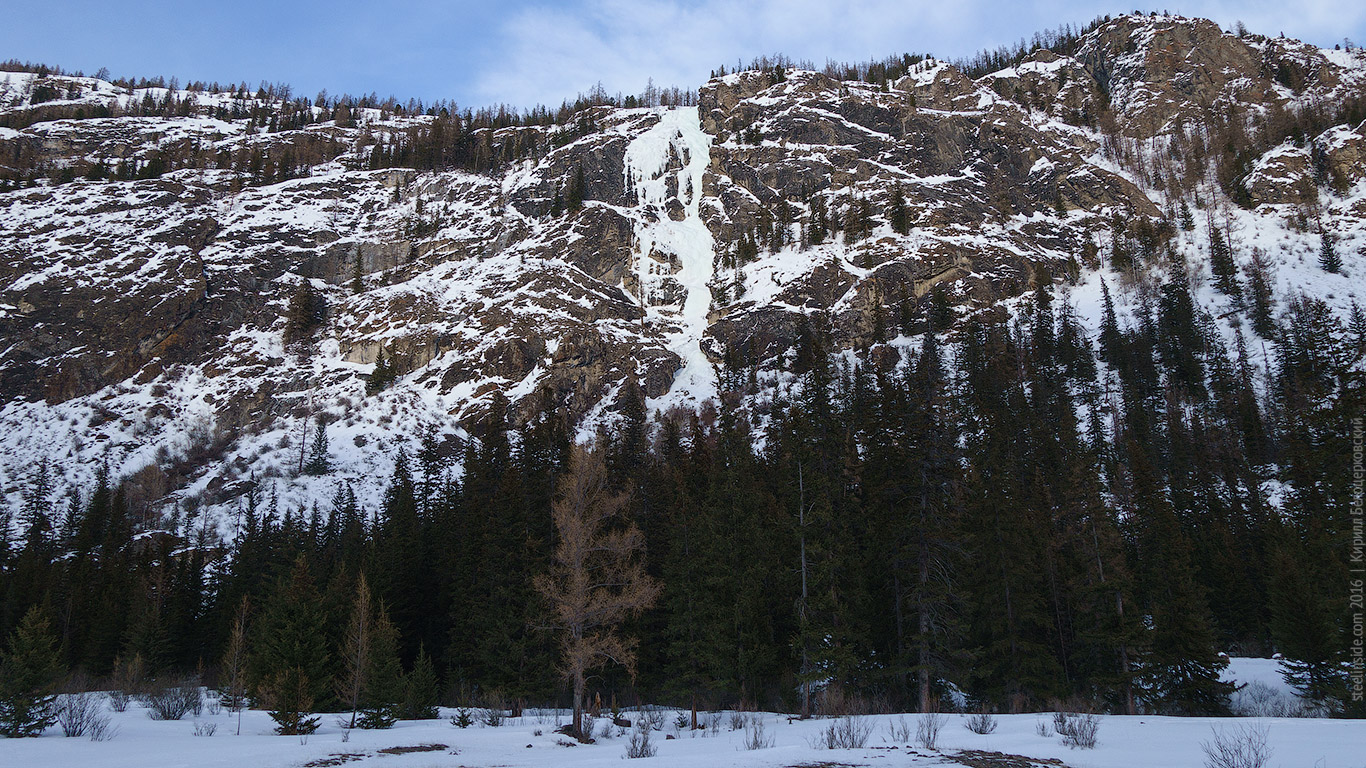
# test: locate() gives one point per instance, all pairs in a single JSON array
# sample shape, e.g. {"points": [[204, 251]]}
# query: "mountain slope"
{"points": [[143, 321]]}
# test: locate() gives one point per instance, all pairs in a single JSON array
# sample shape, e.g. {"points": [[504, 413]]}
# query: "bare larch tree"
{"points": [[596, 579]]}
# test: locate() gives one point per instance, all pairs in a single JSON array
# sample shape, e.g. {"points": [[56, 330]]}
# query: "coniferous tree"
{"points": [[307, 312], [290, 659], [1222, 264], [1181, 669], [420, 689], [1329, 259], [1259, 284], [234, 665], [29, 673], [356, 648], [575, 195], [357, 275], [318, 461], [382, 692], [898, 216], [1304, 623]]}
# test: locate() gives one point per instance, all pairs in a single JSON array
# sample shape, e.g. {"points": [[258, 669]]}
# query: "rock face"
{"points": [[145, 321], [1283, 175]]}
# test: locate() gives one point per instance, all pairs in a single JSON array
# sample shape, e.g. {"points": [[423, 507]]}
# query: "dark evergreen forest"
{"points": [[1016, 510]]}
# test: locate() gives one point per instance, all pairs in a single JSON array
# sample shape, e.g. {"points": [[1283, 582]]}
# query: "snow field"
{"points": [[1123, 742]]}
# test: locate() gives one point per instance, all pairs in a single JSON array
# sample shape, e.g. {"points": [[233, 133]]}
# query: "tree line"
{"points": [[1017, 514]]}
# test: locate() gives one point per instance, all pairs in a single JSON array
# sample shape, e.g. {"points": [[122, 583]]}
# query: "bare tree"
{"points": [[235, 664], [356, 650], [596, 579]]}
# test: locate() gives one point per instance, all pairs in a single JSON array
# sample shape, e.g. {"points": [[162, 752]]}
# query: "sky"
{"points": [[525, 52]]}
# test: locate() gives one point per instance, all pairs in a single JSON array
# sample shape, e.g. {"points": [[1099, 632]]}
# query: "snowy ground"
{"points": [[1124, 742]]}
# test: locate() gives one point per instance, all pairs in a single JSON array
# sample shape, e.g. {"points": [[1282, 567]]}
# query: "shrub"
{"points": [[494, 709], [927, 729], [462, 718], [77, 712], [1078, 730], [118, 700], [588, 722], [1257, 699], [848, 732], [756, 735], [653, 717], [639, 745], [101, 730], [1243, 746], [172, 702], [126, 682], [204, 728], [982, 722], [899, 731]]}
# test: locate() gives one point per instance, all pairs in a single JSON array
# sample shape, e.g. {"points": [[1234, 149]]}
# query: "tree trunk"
{"points": [[578, 706]]}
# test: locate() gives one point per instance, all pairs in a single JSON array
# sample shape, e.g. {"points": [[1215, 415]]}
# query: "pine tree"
{"points": [[1329, 259], [307, 312], [291, 663], [1222, 264], [318, 461], [420, 694], [357, 275], [29, 673], [898, 216], [575, 195], [1259, 283], [382, 692]]}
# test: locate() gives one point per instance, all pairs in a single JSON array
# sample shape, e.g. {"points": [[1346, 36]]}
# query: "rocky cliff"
{"points": [[144, 322]]}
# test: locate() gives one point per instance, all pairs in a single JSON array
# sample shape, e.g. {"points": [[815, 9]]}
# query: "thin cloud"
{"points": [[547, 53]]}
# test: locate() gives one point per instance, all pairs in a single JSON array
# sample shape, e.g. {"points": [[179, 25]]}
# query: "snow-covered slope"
{"points": [[142, 321]]}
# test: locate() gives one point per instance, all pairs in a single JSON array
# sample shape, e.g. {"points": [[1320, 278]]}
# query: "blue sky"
{"points": [[526, 51]]}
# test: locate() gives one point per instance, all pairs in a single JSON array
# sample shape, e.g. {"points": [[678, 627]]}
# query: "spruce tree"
{"points": [[898, 216], [575, 195], [1222, 264], [318, 461], [1259, 283], [291, 662], [357, 275], [1110, 337], [1304, 623], [420, 689], [1180, 668], [1329, 259], [382, 692], [307, 312], [29, 673]]}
